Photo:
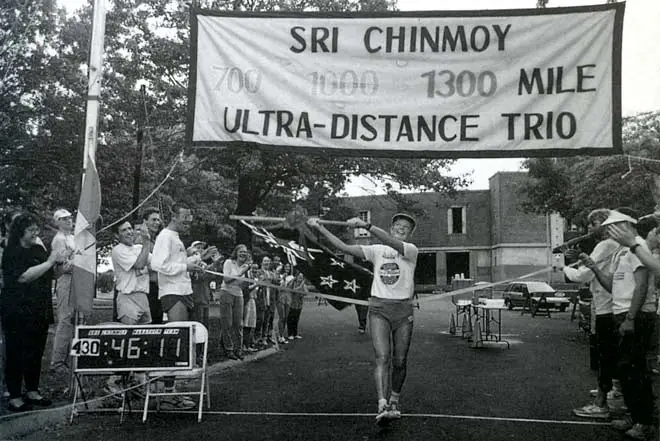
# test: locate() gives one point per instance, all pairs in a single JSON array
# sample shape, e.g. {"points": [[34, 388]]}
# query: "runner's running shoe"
{"points": [[382, 418], [394, 412]]}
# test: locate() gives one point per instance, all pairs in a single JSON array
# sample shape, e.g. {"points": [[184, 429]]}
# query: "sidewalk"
{"points": [[14, 425]]}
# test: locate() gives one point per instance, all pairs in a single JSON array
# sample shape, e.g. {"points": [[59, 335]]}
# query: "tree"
{"points": [[574, 186], [147, 44]]}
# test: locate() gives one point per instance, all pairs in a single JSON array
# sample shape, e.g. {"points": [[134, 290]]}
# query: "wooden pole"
{"points": [[282, 219]]}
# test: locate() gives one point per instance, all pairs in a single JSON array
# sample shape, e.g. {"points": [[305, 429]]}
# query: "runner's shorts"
{"points": [[134, 306], [396, 312]]}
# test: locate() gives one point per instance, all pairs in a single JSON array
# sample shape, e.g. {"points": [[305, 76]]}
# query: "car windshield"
{"points": [[539, 287]]}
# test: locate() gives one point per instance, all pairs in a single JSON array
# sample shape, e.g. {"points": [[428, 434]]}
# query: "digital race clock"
{"points": [[117, 348]]}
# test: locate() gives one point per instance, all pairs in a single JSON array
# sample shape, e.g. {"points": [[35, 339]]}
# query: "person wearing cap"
{"points": [[63, 243], [634, 317], [390, 306], [601, 313]]}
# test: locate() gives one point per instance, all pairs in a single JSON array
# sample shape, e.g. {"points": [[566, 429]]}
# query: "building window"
{"points": [[365, 216], [456, 223]]}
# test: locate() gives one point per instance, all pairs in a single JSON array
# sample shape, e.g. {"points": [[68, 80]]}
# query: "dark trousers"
{"points": [[155, 307], [292, 321], [265, 315], [633, 369], [607, 339], [362, 311], [25, 342], [200, 313]]}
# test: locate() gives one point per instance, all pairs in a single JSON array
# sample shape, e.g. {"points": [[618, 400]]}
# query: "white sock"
{"points": [[394, 397], [382, 403]]}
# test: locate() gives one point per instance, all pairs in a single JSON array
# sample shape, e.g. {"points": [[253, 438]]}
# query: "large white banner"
{"points": [[433, 84]]}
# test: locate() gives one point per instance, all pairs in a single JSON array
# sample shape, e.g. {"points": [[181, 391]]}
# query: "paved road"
{"points": [[321, 388]]}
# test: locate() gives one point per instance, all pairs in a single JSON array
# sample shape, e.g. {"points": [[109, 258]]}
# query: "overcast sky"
{"points": [[640, 72]]}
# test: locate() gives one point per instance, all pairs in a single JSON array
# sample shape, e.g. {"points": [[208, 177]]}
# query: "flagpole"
{"points": [[95, 76]]}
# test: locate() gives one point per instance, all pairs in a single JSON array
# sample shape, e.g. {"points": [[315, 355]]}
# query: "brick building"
{"points": [[482, 234]]}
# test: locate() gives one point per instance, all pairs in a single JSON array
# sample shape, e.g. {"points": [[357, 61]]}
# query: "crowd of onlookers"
{"points": [[156, 278], [622, 272]]}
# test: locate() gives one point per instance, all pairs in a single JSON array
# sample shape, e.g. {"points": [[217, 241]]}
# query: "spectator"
{"points": [[264, 303], [390, 305], [26, 310], [130, 262], [250, 311], [231, 301], [4, 231], [604, 330], [63, 243], [299, 286], [284, 303], [634, 315], [209, 259], [169, 259], [362, 312], [152, 224]]}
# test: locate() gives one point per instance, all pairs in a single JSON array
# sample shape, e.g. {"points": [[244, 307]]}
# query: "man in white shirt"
{"points": [[634, 316], [170, 260], [151, 224], [131, 282], [132, 276], [63, 242], [602, 316]]}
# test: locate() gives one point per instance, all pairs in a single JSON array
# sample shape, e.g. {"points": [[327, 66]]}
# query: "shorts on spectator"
{"points": [[134, 306], [169, 300]]}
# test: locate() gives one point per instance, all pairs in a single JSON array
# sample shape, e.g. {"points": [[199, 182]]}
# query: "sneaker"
{"points": [[593, 411], [177, 403], [394, 413], [59, 368], [291, 337], [622, 424], [298, 336], [112, 388], [617, 405], [614, 393], [382, 417], [361, 330], [640, 431]]}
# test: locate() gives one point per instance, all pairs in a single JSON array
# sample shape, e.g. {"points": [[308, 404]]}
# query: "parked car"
{"points": [[518, 293]]}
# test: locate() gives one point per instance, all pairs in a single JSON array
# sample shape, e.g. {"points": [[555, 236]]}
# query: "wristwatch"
{"points": [[633, 248], [367, 227]]}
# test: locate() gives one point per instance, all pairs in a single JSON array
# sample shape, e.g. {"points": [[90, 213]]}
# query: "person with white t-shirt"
{"points": [[130, 261], [132, 276], [601, 314], [390, 306], [634, 315], [64, 243]]}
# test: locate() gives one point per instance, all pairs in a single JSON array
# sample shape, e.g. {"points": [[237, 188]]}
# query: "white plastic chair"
{"points": [[200, 337]]}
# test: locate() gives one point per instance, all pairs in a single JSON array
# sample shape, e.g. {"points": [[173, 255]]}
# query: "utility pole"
{"points": [[139, 153]]}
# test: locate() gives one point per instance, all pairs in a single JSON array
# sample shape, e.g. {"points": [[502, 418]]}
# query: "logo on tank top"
{"points": [[390, 273]]}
